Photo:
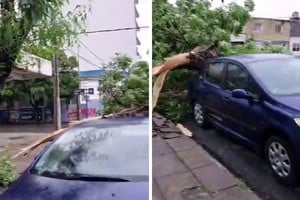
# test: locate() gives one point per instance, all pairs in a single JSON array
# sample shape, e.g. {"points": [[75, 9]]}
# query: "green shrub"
{"points": [[7, 170]]}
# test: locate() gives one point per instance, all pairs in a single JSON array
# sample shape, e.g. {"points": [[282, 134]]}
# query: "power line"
{"points": [[101, 60], [115, 30], [83, 58]]}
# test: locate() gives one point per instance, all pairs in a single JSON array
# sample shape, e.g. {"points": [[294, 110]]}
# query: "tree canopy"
{"points": [[43, 23], [179, 28], [39, 92], [125, 85]]}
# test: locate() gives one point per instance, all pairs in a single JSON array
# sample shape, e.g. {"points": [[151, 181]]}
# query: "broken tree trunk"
{"points": [[193, 60]]}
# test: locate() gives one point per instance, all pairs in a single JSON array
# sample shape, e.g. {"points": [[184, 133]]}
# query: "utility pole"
{"points": [[56, 93], [78, 96]]}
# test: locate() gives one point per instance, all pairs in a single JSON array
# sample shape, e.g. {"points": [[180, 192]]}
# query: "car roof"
{"points": [[250, 58]]}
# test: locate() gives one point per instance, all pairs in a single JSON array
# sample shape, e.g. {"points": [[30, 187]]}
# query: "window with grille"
{"points": [[296, 47]]}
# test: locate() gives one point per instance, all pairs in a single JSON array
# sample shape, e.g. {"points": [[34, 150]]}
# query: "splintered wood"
{"points": [[184, 130], [196, 57]]}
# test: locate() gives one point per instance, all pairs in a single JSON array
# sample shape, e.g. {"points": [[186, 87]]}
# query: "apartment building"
{"points": [[268, 30]]}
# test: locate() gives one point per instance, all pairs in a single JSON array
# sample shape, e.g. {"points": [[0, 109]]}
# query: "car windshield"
{"points": [[105, 151], [280, 77]]}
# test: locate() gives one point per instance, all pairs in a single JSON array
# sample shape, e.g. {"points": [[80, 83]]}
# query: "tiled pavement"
{"points": [[183, 170]]}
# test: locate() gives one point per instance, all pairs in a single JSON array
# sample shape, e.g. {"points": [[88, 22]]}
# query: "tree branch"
{"points": [[116, 99]]}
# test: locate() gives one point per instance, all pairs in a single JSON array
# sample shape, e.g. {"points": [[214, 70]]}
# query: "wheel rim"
{"points": [[198, 113], [279, 159]]}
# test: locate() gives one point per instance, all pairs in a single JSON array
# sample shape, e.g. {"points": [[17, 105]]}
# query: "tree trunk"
{"points": [[6, 65]]}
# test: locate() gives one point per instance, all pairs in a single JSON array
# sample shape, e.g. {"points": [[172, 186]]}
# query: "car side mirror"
{"points": [[240, 94]]}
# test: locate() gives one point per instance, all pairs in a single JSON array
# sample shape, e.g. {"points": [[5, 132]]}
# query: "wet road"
{"points": [[244, 163]]}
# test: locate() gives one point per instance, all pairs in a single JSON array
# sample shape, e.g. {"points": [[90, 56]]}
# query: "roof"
{"points": [[92, 73], [248, 58], [275, 19], [19, 74]]}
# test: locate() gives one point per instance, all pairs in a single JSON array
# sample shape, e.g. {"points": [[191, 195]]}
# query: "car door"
{"points": [[243, 115], [212, 86]]}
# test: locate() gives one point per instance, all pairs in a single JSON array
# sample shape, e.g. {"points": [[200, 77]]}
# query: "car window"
{"points": [[100, 150], [278, 76], [237, 78], [214, 73]]}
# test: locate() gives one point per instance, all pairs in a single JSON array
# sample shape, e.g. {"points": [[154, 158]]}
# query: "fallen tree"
{"points": [[194, 60], [134, 111]]}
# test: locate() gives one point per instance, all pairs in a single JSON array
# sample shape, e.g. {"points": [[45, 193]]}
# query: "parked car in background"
{"points": [[256, 99], [101, 159]]}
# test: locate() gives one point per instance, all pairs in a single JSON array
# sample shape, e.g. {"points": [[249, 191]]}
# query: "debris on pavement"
{"points": [[165, 128], [184, 130]]}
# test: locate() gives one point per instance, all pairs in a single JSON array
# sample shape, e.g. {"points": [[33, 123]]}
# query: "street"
{"points": [[15, 137], [242, 162]]}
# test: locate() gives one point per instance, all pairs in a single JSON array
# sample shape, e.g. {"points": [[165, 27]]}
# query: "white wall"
{"points": [[238, 38], [292, 41], [36, 64], [90, 83]]}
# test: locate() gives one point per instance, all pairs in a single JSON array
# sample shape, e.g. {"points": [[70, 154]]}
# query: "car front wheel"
{"points": [[199, 115], [282, 160]]}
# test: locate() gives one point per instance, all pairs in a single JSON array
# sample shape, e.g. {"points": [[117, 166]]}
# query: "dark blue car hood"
{"points": [[292, 102], [35, 187]]}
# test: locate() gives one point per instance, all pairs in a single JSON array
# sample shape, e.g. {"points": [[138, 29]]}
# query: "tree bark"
{"points": [[6, 65]]}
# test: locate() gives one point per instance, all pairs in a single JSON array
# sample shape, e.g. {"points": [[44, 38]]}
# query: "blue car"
{"points": [[101, 159], [256, 99]]}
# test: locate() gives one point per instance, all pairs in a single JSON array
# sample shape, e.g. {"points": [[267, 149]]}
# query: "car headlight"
{"points": [[297, 120]]}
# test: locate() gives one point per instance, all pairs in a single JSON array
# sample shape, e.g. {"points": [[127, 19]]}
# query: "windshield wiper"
{"points": [[84, 177], [81, 177]]}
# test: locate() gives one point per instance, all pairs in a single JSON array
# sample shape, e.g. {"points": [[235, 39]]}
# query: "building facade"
{"points": [[267, 30], [28, 68], [90, 99], [295, 34]]}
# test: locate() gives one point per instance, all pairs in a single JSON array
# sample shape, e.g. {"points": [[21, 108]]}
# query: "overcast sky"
{"points": [[112, 14], [266, 8]]}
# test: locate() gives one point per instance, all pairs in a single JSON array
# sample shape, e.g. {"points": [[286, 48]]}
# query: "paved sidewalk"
{"points": [[183, 170]]}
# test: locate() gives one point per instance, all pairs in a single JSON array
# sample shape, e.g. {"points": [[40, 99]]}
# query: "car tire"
{"points": [[282, 160], [200, 115]]}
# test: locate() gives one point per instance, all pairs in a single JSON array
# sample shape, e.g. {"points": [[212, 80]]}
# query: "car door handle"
{"points": [[226, 99]]}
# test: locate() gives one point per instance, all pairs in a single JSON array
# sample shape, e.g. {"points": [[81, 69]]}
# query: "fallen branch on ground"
{"points": [[184, 130], [196, 58], [126, 112]]}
